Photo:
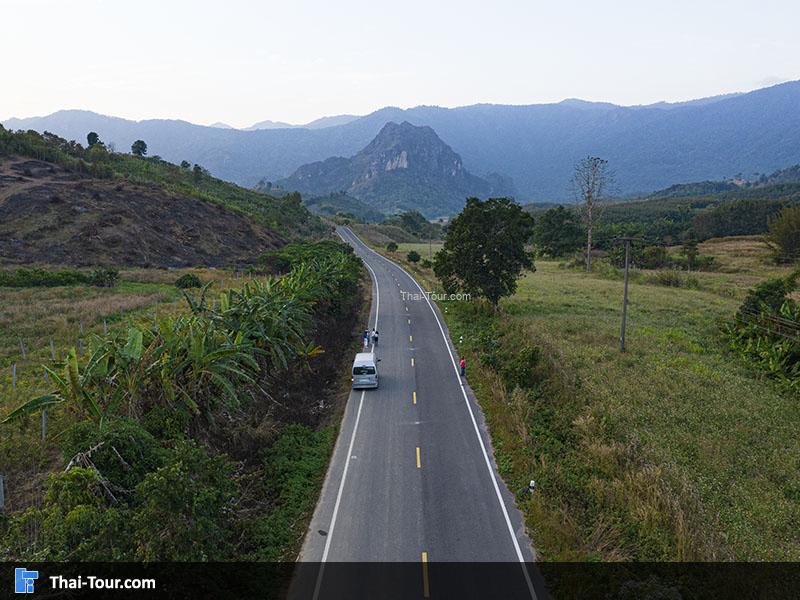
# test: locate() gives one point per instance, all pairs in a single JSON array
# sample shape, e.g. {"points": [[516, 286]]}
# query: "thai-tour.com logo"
{"points": [[24, 580]]}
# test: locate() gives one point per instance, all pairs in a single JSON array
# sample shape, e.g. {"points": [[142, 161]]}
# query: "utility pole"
{"points": [[627, 241]]}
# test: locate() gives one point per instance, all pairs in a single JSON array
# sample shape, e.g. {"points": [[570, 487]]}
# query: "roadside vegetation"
{"points": [[179, 427]]}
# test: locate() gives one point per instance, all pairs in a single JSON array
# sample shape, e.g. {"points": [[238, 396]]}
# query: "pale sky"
{"points": [[295, 60]]}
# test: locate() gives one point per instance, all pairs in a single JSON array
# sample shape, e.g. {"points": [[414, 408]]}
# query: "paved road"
{"points": [[412, 479]]}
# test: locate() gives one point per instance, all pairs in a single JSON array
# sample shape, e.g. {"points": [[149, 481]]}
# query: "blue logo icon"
{"points": [[23, 580]]}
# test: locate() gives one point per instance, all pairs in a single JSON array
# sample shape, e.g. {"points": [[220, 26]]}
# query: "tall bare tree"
{"points": [[590, 184]]}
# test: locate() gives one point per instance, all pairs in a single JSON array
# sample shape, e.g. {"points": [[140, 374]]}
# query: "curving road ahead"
{"points": [[412, 479]]}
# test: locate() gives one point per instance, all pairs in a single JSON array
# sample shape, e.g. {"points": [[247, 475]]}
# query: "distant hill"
{"points": [[315, 124], [649, 147], [404, 168]]}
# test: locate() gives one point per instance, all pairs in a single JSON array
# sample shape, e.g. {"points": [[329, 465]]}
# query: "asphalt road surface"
{"points": [[413, 484]]}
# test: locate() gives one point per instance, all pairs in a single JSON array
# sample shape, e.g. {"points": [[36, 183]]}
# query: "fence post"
{"points": [[22, 347], [14, 377], [105, 327], [52, 348], [2, 492], [44, 408]]}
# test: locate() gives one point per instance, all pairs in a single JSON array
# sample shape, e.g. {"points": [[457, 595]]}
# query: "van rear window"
{"points": [[363, 370]]}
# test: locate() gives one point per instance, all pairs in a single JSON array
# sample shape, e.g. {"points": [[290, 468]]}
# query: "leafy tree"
{"points": [[391, 246], [198, 172], [558, 232], [484, 252], [590, 182], [92, 138], [185, 164], [691, 252], [139, 148], [784, 235], [413, 256]]}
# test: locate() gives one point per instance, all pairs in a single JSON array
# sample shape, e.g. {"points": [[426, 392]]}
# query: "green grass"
{"points": [[674, 450]]}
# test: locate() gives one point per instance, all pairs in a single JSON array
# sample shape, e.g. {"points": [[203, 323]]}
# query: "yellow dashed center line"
{"points": [[410, 338], [414, 395], [412, 361], [409, 321], [426, 591], [419, 463]]}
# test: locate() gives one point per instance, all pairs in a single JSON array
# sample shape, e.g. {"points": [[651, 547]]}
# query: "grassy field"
{"points": [[674, 450]]}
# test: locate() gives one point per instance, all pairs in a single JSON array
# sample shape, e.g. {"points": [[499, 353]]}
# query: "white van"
{"points": [[365, 371]]}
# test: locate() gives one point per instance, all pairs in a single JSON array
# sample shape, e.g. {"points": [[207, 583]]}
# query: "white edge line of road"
{"points": [[471, 414], [349, 449]]}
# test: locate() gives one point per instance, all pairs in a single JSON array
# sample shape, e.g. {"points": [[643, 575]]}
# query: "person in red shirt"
{"points": [[462, 364]]}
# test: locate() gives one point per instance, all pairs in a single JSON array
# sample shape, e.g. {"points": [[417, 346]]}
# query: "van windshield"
{"points": [[363, 370]]}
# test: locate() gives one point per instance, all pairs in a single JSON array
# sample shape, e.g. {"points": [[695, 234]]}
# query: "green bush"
{"points": [[294, 466], [128, 452], [37, 277], [426, 264], [766, 330], [74, 523], [184, 510], [104, 277], [392, 246], [188, 281], [413, 256], [275, 263]]}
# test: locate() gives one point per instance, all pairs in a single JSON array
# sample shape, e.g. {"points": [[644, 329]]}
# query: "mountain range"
{"points": [[406, 167], [648, 147]]}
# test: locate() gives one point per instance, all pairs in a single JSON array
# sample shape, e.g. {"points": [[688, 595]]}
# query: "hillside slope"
{"points": [[650, 147], [49, 215]]}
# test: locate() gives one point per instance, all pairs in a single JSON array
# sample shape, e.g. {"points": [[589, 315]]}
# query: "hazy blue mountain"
{"points": [[406, 167], [649, 147], [221, 125], [320, 123], [323, 122], [269, 125]]}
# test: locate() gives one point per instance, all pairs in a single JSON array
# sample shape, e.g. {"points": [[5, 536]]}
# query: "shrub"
{"points": [[185, 509], [188, 281], [391, 246], [784, 235], [766, 330], [768, 297], [275, 263], [295, 464], [104, 277], [672, 278], [426, 264], [37, 277], [128, 452], [413, 256]]}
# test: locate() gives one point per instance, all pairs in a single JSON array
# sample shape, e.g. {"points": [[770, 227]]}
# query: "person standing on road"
{"points": [[366, 338], [462, 364], [375, 337]]}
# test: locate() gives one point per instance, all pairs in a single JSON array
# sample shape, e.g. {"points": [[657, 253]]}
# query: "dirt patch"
{"points": [[48, 215]]}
